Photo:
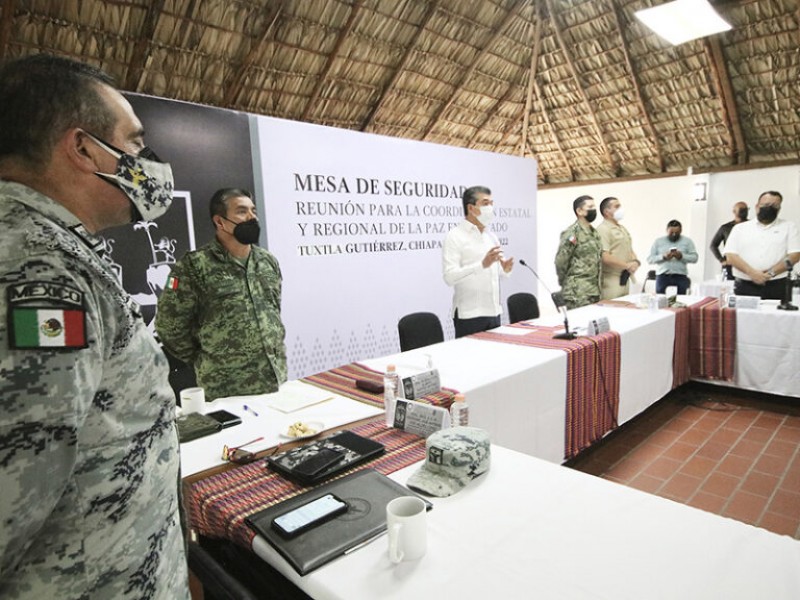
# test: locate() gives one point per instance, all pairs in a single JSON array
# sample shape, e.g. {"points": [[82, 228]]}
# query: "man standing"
{"points": [[619, 259], [721, 237], [88, 446], [472, 263], [759, 250], [672, 253], [579, 256], [221, 308]]}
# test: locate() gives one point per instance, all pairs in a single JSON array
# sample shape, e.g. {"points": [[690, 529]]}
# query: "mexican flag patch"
{"points": [[48, 328], [172, 283]]}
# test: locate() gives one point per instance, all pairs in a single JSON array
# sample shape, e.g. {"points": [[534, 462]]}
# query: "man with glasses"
{"points": [[88, 448]]}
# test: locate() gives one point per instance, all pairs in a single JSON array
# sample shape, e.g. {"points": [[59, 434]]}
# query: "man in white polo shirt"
{"points": [[758, 250], [472, 262]]}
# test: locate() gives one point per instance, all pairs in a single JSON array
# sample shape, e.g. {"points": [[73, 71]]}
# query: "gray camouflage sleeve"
{"points": [[45, 394]]}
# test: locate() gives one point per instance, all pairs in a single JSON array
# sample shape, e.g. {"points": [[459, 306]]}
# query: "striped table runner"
{"points": [[712, 340], [342, 381], [593, 365], [218, 505], [681, 371]]}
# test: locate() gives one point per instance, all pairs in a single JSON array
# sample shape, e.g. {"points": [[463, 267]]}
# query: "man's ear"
{"points": [[80, 150]]}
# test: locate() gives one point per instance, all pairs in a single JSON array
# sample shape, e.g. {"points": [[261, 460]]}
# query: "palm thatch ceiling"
{"points": [[579, 84]]}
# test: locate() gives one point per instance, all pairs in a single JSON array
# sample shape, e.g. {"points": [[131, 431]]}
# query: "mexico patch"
{"points": [[46, 315], [172, 283]]}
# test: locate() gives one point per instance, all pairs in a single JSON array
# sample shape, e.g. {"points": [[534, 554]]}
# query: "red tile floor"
{"points": [[729, 452]]}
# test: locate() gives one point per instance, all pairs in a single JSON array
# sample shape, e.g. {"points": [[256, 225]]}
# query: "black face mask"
{"points": [[591, 215], [674, 237], [767, 214], [742, 213], [246, 232]]}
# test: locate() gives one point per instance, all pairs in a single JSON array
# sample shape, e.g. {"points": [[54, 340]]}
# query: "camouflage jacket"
{"points": [[578, 265], [89, 460], [225, 319]]}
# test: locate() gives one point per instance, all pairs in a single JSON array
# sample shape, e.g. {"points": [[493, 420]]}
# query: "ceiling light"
{"points": [[683, 20]]}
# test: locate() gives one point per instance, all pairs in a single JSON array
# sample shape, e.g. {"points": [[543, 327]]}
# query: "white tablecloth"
{"points": [[531, 529], [518, 393]]}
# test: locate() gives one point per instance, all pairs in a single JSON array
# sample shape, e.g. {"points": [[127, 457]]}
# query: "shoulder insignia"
{"points": [[44, 314], [573, 240], [172, 283]]}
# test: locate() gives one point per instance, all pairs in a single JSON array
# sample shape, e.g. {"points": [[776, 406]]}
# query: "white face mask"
{"points": [[486, 216], [619, 214]]}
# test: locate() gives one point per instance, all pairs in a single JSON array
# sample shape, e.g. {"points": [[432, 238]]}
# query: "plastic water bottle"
{"points": [[390, 383], [459, 411]]}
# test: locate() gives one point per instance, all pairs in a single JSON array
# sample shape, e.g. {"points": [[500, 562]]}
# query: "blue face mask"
{"points": [[144, 179]]}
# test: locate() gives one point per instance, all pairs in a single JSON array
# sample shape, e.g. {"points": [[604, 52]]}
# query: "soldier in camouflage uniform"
{"points": [[88, 447], [578, 257], [221, 309]]}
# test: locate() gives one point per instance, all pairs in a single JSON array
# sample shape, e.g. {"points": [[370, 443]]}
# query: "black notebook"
{"points": [[366, 493], [319, 460]]}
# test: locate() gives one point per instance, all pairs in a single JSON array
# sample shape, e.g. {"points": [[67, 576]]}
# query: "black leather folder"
{"points": [[366, 493]]}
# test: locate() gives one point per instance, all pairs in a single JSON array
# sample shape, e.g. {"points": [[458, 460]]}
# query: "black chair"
{"points": [[651, 276], [521, 307], [218, 583], [419, 329]]}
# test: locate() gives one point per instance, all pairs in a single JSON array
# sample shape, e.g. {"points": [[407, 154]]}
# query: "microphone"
{"points": [[786, 303], [558, 300]]}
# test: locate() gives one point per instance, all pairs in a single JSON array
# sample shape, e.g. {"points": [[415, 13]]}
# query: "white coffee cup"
{"points": [[193, 400], [408, 531]]}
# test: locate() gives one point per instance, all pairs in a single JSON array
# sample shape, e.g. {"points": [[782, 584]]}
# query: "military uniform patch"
{"points": [[61, 323], [172, 283]]}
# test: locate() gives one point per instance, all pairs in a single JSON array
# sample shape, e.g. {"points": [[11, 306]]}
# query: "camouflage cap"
{"points": [[455, 457]]}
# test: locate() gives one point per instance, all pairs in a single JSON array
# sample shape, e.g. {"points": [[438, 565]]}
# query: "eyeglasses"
{"points": [[242, 457]]}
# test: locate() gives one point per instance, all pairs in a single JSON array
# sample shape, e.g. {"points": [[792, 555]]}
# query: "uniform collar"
{"points": [[219, 251], [46, 206]]}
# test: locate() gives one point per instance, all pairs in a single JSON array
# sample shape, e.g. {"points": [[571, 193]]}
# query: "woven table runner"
{"points": [[593, 365], [681, 371], [712, 340], [342, 381], [218, 505]]}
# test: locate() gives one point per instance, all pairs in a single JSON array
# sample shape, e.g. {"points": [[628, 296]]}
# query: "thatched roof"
{"points": [[579, 84]]}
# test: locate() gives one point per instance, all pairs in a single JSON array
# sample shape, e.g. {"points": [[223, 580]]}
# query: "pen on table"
{"points": [[250, 410], [365, 542]]}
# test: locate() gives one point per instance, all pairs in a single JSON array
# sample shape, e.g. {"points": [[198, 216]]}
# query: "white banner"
{"points": [[357, 222]]}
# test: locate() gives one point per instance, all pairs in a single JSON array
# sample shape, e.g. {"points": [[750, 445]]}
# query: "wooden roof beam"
{"points": [[5, 25], [142, 48], [576, 77], [531, 72], [730, 114], [233, 87], [498, 31], [638, 88], [401, 66], [553, 131], [348, 27]]}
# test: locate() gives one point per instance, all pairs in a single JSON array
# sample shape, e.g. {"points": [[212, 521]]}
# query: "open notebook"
{"points": [[366, 493]]}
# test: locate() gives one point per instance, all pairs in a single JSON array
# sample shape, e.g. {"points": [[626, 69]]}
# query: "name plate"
{"points": [[751, 302], [421, 384], [422, 419], [596, 326]]}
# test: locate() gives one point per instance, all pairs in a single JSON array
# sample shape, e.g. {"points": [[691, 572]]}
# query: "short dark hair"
{"points": [[218, 203], [579, 202], [772, 193], [42, 96], [674, 223], [605, 202], [471, 196]]}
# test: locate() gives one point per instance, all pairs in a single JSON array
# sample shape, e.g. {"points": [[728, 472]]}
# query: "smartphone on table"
{"points": [[309, 515], [225, 418]]}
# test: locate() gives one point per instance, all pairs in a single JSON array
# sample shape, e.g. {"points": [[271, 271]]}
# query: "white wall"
{"points": [[650, 204]]}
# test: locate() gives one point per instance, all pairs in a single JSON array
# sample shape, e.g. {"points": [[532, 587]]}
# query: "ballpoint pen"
{"points": [[250, 410]]}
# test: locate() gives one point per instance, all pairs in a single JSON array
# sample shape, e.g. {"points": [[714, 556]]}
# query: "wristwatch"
{"points": [[771, 274]]}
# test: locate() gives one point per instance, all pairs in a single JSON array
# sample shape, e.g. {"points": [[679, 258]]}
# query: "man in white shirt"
{"points": [[759, 250], [472, 262]]}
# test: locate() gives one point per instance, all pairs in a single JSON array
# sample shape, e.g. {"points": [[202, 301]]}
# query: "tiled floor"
{"points": [[729, 452]]}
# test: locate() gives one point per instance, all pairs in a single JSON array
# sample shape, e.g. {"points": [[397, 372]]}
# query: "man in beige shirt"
{"points": [[618, 256]]}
